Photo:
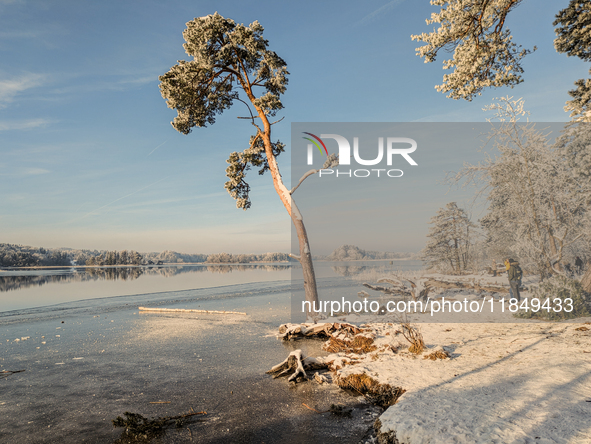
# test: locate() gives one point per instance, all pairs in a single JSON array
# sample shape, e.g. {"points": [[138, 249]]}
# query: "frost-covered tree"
{"points": [[484, 54], [451, 237], [574, 146], [574, 38], [573, 33], [230, 61], [536, 210], [580, 105]]}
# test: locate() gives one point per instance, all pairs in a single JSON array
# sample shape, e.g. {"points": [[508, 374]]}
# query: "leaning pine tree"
{"points": [[230, 60]]}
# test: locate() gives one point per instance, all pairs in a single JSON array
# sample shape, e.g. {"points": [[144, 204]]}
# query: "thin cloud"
{"points": [[23, 124], [139, 80], [378, 12], [17, 34], [35, 171], [157, 148], [10, 88], [96, 211], [32, 171], [104, 83]]}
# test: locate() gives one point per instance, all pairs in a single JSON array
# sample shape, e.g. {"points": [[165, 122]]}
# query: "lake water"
{"points": [[89, 355]]}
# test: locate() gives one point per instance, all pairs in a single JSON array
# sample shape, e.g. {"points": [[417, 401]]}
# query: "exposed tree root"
{"points": [[298, 365]]}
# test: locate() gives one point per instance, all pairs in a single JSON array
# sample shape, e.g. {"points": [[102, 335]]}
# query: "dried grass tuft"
{"points": [[358, 345], [582, 329], [383, 395], [414, 336], [438, 353]]}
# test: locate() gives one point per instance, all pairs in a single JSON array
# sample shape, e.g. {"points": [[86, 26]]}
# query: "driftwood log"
{"points": [[289, 331], [434, 283], [389, 290], [421, 288], [187, 310], [417, 289]]}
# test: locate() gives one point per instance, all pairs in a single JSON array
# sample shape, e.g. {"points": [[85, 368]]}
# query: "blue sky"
{"points": [[88, 158]]}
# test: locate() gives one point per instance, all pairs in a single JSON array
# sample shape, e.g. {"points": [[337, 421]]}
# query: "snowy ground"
{"points": [[504, 383], [508, 382]]}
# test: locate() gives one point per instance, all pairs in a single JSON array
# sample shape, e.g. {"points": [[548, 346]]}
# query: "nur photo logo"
{"points": [[387, 149]]}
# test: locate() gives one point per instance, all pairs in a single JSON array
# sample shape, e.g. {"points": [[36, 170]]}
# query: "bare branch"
{"points": [[277, 121], [304, 177]]}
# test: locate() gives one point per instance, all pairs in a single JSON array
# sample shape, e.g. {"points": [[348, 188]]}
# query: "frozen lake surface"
{"points": [[89, 360]]}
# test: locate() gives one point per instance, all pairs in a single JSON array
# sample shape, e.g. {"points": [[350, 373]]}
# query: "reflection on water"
{"points": [[27, 289], [377, 268], [348, 270], [14, 280]]}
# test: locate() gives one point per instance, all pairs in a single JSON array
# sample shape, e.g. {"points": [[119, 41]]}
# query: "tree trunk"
{"points": [[305, 257], [307, 264], [586, 280]]}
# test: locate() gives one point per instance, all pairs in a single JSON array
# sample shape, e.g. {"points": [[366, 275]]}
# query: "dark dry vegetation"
{"points": [[562, 288], [140, 428]]}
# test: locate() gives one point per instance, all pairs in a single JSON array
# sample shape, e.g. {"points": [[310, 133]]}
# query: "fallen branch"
{"points": [[183, 310], [434, 283], [401, 290], [417, 290], [7, 373]]}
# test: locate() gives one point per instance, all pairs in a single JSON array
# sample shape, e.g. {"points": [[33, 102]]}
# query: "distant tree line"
{"points": [[24, 256], [227, 258], [116, 258], [20, 256], [172, 257]]}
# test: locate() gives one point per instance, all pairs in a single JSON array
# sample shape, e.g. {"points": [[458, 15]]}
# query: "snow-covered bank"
{"points": [[502, 383], [508, 381]]}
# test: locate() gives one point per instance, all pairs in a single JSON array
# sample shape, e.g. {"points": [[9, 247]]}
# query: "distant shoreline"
{"points": [[369, 260], [167, 264]]}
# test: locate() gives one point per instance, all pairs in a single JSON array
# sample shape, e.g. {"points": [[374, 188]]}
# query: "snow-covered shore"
{"points": [[501, 383], [508, 380], [504, 383]]}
